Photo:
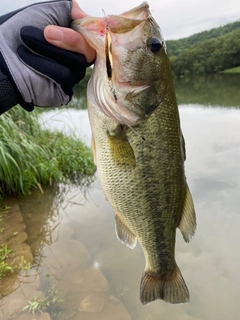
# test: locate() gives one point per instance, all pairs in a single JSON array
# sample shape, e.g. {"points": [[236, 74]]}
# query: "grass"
{"points": [[5, 251], [31, 157], [51, 303], [232, 70], [5, 268]]}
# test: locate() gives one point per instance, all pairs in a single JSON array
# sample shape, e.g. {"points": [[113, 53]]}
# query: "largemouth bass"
{"points": [[138, 145]]}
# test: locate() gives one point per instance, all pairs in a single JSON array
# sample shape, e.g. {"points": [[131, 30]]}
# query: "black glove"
{"points": [[32, 71]]}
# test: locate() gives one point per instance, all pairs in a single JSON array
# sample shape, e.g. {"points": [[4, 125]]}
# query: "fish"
{"points": [[138, 145]]}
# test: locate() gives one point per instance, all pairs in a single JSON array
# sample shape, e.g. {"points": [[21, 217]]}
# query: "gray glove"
{"points": [[32, 71]]}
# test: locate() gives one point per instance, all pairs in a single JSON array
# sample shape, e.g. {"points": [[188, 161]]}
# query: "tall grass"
{"points": [[33, 157]]}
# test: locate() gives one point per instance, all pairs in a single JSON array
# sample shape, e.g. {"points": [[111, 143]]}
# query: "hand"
{"points": [[69, 39], [39, 73]]}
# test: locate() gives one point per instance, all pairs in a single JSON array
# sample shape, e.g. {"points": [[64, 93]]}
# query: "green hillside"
{"points": [[206, 52]]}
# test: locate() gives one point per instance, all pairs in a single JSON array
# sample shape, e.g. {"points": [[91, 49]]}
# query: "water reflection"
{"points": [[220, 90], [73, 238]]}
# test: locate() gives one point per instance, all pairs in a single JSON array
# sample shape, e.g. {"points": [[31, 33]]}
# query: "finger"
{"points": [[51, 69], [69, 39], [33, 39], [77, 12]]}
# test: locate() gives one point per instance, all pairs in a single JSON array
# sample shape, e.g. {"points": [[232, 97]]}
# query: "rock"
{"points": [[113, 299], [18, 236], [32, 316], [68, 254], [23, 288], [115, 309], [93, 280], [92, 303], [14, 237], [12, 223], [13, 213], [65, 232], [112, 309], [66, 261]]}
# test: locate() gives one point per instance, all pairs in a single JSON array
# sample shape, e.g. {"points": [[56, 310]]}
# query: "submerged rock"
{"points": [[26, 284], [17, 286], [83, 288], [92, 303], [93, 280], [36, 316], [112, 309], [13, 235]]}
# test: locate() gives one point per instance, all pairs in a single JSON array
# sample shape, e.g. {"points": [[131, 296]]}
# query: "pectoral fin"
{"points": [[124, 234], [121, 150], [187, 225]]}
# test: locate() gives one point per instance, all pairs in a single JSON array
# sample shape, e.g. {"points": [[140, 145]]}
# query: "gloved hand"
{"points": [[34, 72]]}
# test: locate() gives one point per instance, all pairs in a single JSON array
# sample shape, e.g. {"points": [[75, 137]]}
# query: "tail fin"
{"points": [[171, 288]]}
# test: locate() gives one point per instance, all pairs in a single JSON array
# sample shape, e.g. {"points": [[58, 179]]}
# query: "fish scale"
{"points": [[138, 145]]}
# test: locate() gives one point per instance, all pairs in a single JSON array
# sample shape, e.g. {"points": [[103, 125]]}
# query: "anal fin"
{"points": [[124, 234], [188, 224]]}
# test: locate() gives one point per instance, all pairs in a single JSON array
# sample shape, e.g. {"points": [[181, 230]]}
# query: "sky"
{"points": [[176, 18]]}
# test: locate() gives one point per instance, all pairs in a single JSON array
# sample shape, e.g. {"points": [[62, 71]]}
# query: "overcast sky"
{"points": [[177, 18]]}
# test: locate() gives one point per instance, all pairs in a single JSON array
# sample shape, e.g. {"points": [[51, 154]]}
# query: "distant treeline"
{"points": [[206, 52]]}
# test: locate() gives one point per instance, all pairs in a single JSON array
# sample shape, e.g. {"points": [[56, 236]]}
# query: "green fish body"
{"points": [[138, 145]]}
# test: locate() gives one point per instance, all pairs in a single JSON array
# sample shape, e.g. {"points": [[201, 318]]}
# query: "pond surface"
{"points": [[71, 230]]}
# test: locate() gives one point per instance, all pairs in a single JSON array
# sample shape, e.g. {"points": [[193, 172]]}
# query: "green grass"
{"points": [[232, 70], [51, 303], [31, 157], [5, 268]]}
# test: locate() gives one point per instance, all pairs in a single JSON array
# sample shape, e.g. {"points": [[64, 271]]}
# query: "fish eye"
{"points": [[154, 44]]}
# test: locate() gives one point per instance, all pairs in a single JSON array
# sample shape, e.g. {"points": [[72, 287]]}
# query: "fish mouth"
{"points": [[95, 29], [113, 37]]}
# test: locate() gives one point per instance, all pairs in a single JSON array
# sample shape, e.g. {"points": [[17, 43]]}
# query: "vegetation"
{"points": [[206, 52], [31, 157], [175, 47], [5, 268], [81, 87], [50, 304], [232, 70]]}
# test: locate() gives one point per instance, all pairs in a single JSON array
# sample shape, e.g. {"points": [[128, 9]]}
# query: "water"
{"points": [[71, 230]]}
